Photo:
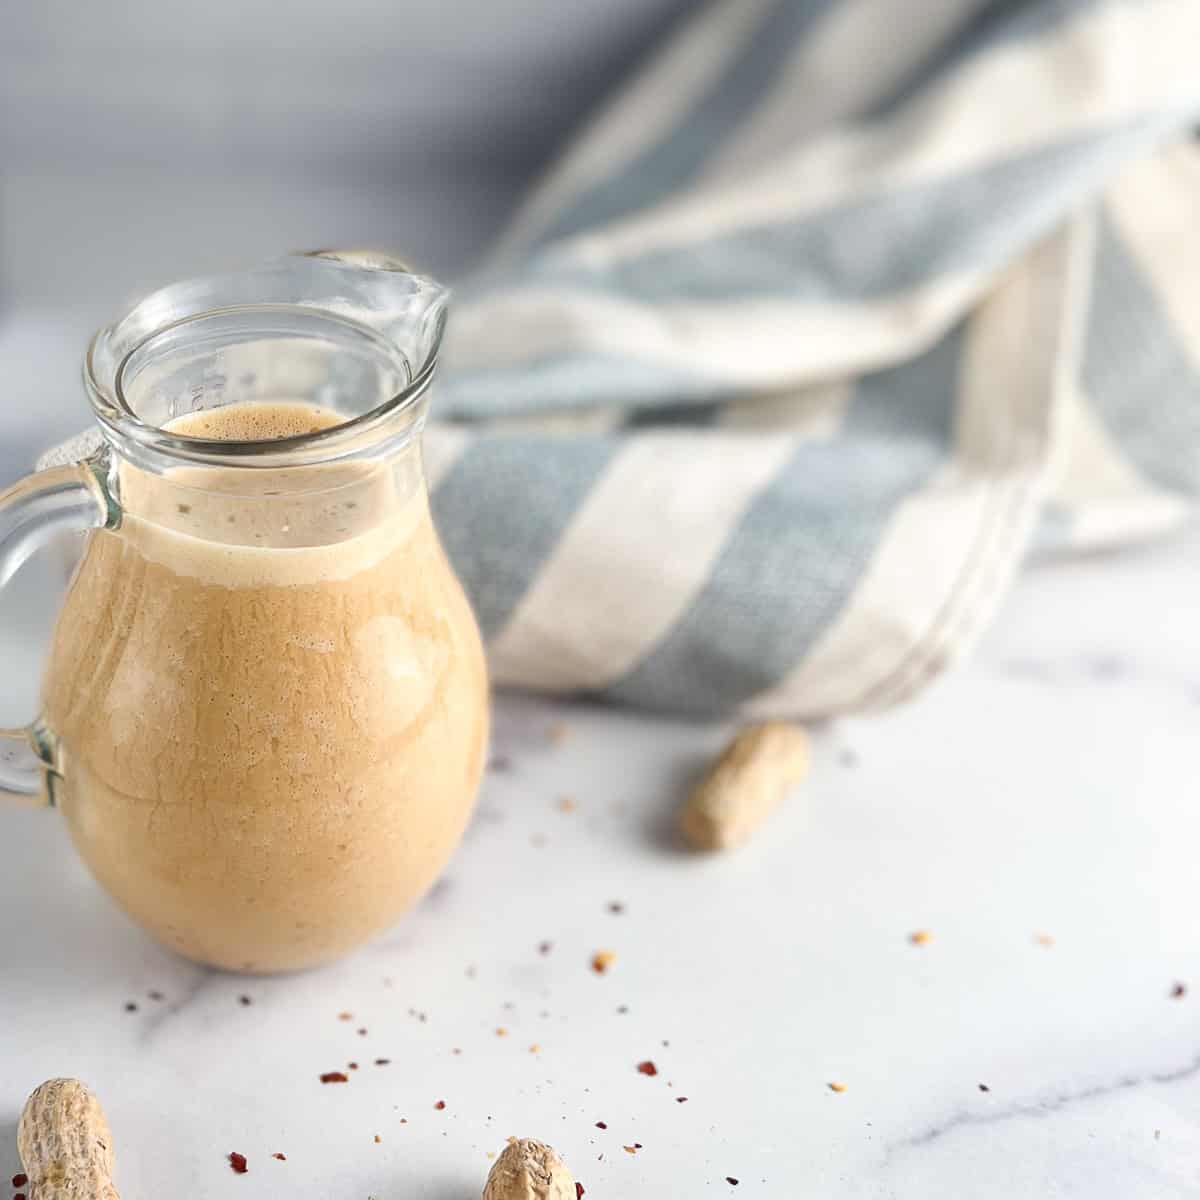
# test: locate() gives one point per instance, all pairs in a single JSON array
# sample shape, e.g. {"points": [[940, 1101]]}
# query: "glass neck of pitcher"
{"points": [[355, 338]]}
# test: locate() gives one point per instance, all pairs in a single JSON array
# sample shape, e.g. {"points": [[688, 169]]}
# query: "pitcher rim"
{"points": [[136, 438]]}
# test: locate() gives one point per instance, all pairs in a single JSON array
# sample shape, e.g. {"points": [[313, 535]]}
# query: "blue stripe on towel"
{"points": [[1142, 383], [804, 543], [502, 508]]}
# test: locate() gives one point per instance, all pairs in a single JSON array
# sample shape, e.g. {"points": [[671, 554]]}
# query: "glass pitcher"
{"points": [[265, 711]]}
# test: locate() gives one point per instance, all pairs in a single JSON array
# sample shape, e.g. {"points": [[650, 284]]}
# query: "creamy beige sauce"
{"points": [[271, 702]]}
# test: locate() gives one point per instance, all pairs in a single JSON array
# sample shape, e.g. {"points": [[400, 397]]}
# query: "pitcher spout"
{"points": [[407, 307]]}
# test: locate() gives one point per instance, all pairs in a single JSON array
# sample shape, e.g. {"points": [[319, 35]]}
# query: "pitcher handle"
{"points": [[58, 500]]}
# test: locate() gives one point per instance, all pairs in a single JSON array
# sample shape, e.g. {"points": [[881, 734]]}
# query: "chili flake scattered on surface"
{"points": [[19, 1196], [456, 1050], [602, 960], [362, 1032], [1179, 991], [501, 1031], [130, 1006], [647, 1068], [983, 1087], [345, 1016], [334, 1077], [352, 1066], [579, 1190], [616, 907], [837, 1087], [238, 1163], [281, 1157], [382, 1062], [629, 1149], [729, 1179], [19, 1181], [545, 947], [441, 1104], [601, 1125], [245, 1001], [622, 1009], [680, 1099], [378, 1139], [922, 937], [535, 1049]]}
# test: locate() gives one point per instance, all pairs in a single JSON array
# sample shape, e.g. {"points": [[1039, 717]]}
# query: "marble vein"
{"points": [[1042, 1108]]}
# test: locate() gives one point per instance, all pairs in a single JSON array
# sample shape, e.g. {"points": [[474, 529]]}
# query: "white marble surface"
{"points": [[1047, 788]]}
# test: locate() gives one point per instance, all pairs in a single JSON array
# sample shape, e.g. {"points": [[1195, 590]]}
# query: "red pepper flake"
{"points": [[403, 1120], [456, 1050], [19, 1181], [1179, 991], [602, 960], [245, 1001], [545, 947], [382, 1062], [622, 1009], [637, 1145], [601, 1125], [334, 1077], [729, 1179], [680, 1099], [440, 1105], [281, 1157], [579, 1190], [362, 1033], [238, 1163], [922, 937], [345, 1016], [19, 1196], [983, 1087], [647, 1068], [629, 1149], [616, 907], [378, 1139], [130, 1006], [352, 1066]]}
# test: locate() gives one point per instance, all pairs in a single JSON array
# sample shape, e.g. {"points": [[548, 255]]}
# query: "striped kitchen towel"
{"points": [[835, 314], [839, 310]]}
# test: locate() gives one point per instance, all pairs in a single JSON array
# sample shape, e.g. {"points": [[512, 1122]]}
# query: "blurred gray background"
{"points": [[143, 141], [147, 140]]}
